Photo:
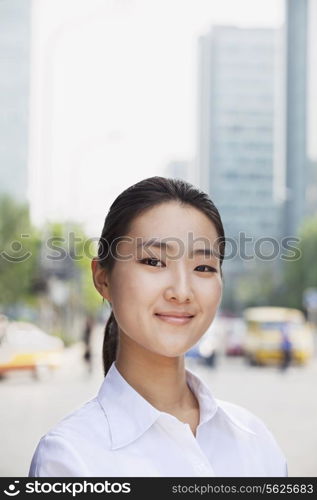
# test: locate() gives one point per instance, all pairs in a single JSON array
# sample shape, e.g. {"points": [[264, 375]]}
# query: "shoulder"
{"points": [[85, 422], [64, 449], [259, 437], [241, 416]]}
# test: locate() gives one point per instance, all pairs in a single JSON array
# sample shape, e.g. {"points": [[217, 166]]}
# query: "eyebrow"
{"points": [[153, 242]]}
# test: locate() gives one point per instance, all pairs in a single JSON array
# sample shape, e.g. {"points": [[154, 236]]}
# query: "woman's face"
{"points": [[164, 298]]}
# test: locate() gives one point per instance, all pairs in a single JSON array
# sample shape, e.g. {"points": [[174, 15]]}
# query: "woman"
{"points": [[159, 265]]}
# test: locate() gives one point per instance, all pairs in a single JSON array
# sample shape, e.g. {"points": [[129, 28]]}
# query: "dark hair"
{"points": [[135, 200]]}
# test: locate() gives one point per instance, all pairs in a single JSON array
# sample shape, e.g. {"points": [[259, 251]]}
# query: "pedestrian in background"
{"points": [[87, 335], [286, 347]]}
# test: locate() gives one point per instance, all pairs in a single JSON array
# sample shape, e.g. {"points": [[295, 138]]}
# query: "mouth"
{"points": [[175, 319]]}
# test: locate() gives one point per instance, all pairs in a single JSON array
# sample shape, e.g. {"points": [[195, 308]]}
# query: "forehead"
{"points": [[173, 220]]}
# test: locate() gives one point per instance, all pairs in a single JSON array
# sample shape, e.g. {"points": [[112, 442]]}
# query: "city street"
{"points": [[285, 401]]}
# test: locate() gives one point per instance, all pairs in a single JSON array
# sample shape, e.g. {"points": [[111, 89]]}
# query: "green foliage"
{"points": [[302, 273], [86, 249], [72, 238], [19, 252], [282, 284], [255, 289], [20, 264]]}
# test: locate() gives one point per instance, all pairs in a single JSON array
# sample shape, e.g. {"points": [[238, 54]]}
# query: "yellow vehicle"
{"points": [[265, 327], [24, 346]]}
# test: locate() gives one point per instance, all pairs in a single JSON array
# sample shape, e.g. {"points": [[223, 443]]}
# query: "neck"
{"points": [[161, 380]]}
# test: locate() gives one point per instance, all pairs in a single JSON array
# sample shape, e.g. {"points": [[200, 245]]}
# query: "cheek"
{"points": [[210, 291], [145, 285], [210, 299], [133, 289], [217, 289]]}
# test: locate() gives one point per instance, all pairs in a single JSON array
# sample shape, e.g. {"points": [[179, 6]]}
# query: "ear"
{"points": [[100, 278]]}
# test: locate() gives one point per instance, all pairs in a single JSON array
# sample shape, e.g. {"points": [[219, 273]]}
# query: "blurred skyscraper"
{"points": [[312, 80], [236, 156], [301, 109], [14, 96]]}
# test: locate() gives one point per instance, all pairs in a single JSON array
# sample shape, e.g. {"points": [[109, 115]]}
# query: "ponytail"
{"points": [[110, 342]]}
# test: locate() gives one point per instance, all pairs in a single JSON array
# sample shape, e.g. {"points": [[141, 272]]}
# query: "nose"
{"points": [[179, 289]]}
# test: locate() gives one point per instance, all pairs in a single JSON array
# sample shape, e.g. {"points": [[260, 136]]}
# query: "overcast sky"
{"points": [[114, 87]]}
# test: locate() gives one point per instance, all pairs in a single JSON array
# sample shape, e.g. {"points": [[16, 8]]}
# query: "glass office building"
{"points": [[237, 81], [14, 96]]}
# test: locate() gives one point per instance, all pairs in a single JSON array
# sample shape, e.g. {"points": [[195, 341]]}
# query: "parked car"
{"points": [[24, 346]]}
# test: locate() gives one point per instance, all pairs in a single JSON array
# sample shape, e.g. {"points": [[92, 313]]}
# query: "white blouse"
{"points": [[119, 433]]}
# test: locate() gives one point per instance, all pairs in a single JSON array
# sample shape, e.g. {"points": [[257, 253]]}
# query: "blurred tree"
{"points": [[25, 268], [19, 251], [301, 273], [72, 251], [83, 249], [69, 293], [283, 285], [257, 287]]}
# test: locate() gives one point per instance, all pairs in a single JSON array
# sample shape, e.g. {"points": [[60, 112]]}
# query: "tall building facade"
{"points": [[237, 107], [14, 96], [301, 113], [296, 114]]}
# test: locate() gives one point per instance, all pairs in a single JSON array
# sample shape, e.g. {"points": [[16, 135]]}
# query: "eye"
{"points": [[208, 269], [152, 262]]}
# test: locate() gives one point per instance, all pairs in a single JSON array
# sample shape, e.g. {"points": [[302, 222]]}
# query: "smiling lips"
{"points": [[175, 318]]}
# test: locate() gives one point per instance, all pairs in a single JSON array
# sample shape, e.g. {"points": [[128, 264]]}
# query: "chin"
{"points": [[172, 352]]}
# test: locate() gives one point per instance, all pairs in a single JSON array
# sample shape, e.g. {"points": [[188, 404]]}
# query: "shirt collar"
{"points": [[130, 415], [209, 405]]}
